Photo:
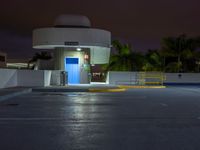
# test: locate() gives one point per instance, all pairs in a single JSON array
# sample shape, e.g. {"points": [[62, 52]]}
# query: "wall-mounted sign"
{"points": [[71, 43]]}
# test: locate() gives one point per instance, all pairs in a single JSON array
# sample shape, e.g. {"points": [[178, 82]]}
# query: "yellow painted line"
{"points": [[152, 83], [107, 90], [140, 87]]}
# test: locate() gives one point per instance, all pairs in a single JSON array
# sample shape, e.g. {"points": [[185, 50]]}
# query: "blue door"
{"points": [[72, 67]]}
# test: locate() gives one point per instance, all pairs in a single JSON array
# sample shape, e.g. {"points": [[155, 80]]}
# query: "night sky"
{"points": [[140, 22]]}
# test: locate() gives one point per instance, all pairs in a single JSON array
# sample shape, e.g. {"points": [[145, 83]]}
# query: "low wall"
{"points": [[117, 78], [33, 77], [47, 77], [182, 78], [27, 78], [8, 78], [55, 77]]}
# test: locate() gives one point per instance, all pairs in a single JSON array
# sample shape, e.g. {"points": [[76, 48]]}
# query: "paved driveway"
{"points": [[139, 119]]}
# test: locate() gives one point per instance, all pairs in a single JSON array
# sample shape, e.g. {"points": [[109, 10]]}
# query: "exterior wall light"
{"points": [[78, 49]]}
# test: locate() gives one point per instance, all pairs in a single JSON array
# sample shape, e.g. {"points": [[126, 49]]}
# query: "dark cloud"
{"points": [[140, 22]]}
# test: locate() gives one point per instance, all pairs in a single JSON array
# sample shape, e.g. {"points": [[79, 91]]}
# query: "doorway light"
{"points": [[78, 49]]}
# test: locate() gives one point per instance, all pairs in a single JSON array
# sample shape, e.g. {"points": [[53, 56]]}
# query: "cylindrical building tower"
{"points": [[76, 45]]}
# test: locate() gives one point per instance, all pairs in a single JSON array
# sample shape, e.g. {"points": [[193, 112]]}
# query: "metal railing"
{"points": [[150, 78]]}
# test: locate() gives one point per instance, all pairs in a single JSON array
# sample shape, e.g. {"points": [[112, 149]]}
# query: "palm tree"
{"points": [[122, 59], [138, 61], [180, 47], [197, 61], [153, 61], [42, 55]]}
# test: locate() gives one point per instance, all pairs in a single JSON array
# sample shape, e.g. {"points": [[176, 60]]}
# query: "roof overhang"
{"points": [[50, 38]]}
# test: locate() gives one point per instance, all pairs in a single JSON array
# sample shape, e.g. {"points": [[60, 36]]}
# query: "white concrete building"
{"points": [[76, 46]]}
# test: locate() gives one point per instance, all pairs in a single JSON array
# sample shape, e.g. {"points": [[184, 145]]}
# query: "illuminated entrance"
{"points": [[72, 68]]}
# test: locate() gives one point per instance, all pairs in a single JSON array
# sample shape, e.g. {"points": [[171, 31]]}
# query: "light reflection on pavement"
{"points": [[139, 119]]}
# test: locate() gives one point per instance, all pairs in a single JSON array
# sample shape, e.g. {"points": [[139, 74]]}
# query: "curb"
{"points": [[80, 90], [58, 90], [107, 90], [141, 87]]}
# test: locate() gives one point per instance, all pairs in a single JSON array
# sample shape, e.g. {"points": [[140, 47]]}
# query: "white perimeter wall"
{"points": [[115, 77], [55, 77], [30, 78], [185, 78], [33, 77], [8, 78], [47, 77], [13, 77]]}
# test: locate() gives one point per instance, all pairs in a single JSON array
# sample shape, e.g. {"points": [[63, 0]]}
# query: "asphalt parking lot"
{"points": [[138, 119]]}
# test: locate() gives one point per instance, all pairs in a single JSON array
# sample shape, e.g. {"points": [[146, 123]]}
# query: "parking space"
{"points": [[140, 119]]}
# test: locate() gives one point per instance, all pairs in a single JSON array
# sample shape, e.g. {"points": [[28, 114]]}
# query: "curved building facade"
{"points": [[76, 45]]}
